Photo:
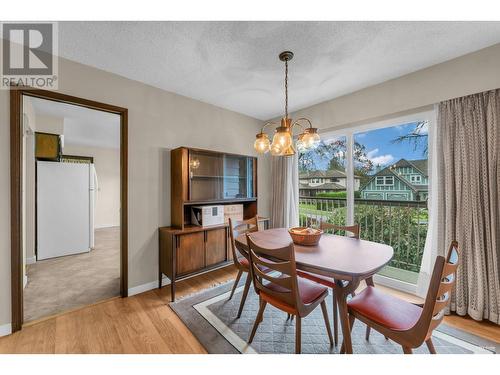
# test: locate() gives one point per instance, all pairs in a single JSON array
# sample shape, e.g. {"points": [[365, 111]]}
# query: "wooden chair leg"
{"points": [[298, 332], [430, 346], [258, 319], [244, 296], [236, 283], [367, 334], [335, 321], [327, 322], [351, 323], [407, 350]]}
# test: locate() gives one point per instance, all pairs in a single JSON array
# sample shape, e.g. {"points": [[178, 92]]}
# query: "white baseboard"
{"points": [[5, 329], [395, 284], [25, 281], [148, 286], [104, 226], [31, 260]]}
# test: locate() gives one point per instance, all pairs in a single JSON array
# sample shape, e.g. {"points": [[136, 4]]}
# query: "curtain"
{"points": [[468, 195], [285, 191]]}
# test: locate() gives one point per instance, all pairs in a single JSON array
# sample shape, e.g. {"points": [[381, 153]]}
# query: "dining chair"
{"points": [[283, 289], [237, 228], [410, 325], [328, 281]]}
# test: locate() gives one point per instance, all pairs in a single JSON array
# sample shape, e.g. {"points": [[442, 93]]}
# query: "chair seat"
{"points": [[320, 279], [308, 290], [384, 309]]}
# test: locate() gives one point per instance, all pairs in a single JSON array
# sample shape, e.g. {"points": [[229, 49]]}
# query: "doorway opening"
{"points": [[69, 224]]}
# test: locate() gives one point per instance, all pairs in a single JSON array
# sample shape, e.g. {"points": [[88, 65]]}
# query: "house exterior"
{"points": [[312, 183], [405, 180]]}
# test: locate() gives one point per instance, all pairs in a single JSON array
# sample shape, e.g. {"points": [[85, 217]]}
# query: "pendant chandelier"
{"points": [[282, 144]]}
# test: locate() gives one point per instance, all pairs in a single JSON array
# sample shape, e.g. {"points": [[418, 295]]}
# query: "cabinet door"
{"points": [[190, 252], [215, 246]]}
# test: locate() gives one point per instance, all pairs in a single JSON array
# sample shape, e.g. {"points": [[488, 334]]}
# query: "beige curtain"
{"points": [[469, 183], [285, 191]]}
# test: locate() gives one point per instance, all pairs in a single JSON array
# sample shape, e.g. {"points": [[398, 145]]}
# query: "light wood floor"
{"points": [[143, 324]]}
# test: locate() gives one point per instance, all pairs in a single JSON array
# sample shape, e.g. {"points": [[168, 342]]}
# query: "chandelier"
{"points": [[282, 144]]}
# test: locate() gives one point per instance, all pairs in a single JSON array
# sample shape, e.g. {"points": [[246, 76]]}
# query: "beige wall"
{"points": [[158, 122], [49, 124], [472, 73], [107, 166]]}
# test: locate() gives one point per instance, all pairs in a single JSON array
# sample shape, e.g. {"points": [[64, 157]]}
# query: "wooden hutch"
{"points": [[201, 178]]}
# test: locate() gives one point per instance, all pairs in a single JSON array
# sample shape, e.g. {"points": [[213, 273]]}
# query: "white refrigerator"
{"points": [[66, 195]]}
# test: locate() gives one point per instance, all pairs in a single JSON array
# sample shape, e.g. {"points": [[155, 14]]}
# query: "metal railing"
{"points": [[400, 224]]}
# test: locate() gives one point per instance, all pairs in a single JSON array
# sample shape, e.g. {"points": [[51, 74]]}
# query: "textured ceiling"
{"points": [[235, 65], [82, 126]]}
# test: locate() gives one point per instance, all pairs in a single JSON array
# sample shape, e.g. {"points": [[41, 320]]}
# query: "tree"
{"points": [[334, 152], [417, 138]]}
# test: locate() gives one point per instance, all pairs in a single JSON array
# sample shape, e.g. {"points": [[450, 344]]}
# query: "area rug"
{"points": [[211, 317]]}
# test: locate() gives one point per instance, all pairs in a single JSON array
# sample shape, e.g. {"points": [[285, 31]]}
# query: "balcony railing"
{"points": [[400, 224]]}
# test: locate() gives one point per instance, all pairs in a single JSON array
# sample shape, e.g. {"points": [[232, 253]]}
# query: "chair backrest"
{"points": [[327, 227], [439, 293], [280, 260], [239, 227]]}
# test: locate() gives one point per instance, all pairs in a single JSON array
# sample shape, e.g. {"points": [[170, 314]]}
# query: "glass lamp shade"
{"points": [[262, 143], [282, 140], [310, 139]]}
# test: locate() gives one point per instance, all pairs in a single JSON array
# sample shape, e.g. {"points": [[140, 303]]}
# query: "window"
{"points": [[415, 179], [384, 180], [389, 211]]}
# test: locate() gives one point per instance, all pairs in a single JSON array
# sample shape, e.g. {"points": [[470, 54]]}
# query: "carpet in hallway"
{"points": [[65, 283]]}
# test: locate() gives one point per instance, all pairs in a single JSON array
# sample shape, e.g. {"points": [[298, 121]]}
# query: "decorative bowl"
{"points": [[305, 236]]}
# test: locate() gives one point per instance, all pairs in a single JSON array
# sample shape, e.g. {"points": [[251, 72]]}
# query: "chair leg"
{"points": [[430, 346], [236, 283], [351, 323], [258, 319], [407, 350], [335, 320], [367, 335], [244, 296], [298, 332], [327, 322]]}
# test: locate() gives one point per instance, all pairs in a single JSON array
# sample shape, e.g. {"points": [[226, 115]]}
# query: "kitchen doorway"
{"points": [[69, 206]]}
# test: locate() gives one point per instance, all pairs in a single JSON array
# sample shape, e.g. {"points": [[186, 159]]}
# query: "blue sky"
{"points": [[379, 148]]}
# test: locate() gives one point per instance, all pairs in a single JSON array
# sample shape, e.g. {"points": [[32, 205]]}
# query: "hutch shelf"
{"points": [[202, 177]]}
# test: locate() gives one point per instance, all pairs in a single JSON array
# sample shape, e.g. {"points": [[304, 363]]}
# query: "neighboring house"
{"points": [[406, 180], [314, 182]]}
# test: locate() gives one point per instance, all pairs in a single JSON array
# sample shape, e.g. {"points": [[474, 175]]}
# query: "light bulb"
{"points": [[281, 141], [262, 143], [310, 139]]}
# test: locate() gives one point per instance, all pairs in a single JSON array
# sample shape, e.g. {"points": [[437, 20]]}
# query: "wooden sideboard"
{"points": [[192, 250], [202, 177]]}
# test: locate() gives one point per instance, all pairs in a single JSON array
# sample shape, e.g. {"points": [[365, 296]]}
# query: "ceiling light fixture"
{"points": [[282, 144]]}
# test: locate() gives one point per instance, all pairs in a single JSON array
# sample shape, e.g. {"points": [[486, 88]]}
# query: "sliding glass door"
{"points": [[377, 176]]}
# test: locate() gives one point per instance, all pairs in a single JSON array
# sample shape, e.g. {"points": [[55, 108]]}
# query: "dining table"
{"points": [[346, 260]]}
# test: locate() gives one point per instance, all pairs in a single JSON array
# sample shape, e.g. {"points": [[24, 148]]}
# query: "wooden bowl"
{"points": [[305, 236]]}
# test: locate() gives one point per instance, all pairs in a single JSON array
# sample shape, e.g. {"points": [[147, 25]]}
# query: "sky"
{"points": [[379, 148]]}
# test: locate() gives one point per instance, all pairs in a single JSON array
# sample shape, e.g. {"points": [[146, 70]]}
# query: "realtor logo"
{"points": [[29, 55]]}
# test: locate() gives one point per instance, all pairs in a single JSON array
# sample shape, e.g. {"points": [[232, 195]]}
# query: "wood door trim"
{"points": [[16, 151]]}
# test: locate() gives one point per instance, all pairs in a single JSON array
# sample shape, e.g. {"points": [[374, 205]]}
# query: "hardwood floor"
{"points": [[144, 324]]}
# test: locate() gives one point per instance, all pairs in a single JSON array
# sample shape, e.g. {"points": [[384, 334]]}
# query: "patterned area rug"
{"points": [[212, 319]]}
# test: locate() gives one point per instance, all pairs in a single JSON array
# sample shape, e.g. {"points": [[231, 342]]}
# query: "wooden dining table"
{"points": [[347, 260]]}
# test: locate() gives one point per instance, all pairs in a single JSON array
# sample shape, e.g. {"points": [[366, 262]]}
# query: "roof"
{"points": [[419, 164], [325, 186], [323, 174]]}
